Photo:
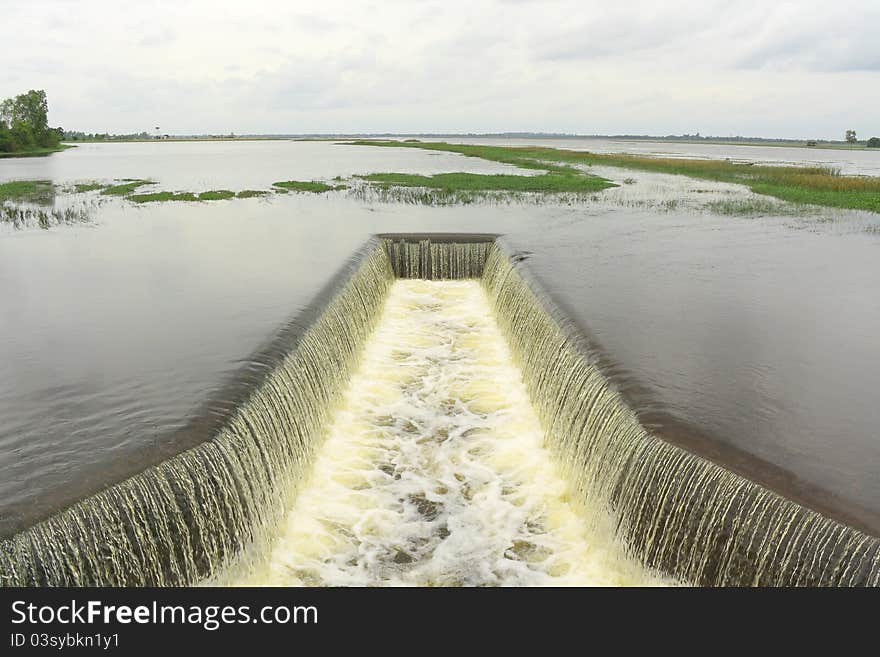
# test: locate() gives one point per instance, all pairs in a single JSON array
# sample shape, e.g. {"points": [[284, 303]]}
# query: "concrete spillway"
{"points": [[437, 433], [433, 470]]}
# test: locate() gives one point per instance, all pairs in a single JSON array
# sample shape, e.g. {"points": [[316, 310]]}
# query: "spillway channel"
{"points": [[433, 469]]}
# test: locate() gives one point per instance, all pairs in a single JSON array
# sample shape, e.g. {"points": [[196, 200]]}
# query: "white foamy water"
{"points": [[433, 470]]}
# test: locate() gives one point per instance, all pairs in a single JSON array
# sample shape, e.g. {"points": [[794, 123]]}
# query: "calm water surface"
{"points": [[753, 340], [232, 165]]}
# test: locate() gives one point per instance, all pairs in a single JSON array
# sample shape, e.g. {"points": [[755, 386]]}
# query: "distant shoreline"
{"points": [[38, 152], [720, 141]]}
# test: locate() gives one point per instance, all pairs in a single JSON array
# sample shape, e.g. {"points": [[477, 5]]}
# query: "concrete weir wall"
{"points": [[675, 511], [186, 518]]}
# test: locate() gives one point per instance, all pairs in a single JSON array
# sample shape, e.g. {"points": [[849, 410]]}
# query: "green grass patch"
{"points": [[252, 193], [548, 183], [154, 197], [813, 185], [126, 187], [30, 191], [307, 186], [554, 179], [853, 199], [216, 195]]}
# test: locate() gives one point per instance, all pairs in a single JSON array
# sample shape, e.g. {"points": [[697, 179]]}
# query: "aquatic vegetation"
{"points": [[307, 186], [441, 197], [80, 188], [27, 216], [815, 185], [552, 182], [424, 196], [30, 191], [461, 187], [162, 196], [210, 195], [216, 195], [127, 186], [758, 207], [854, 198], [31, 204]]}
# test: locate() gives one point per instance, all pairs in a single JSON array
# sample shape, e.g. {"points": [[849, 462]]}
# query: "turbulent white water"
{"points": [[433, 470]]}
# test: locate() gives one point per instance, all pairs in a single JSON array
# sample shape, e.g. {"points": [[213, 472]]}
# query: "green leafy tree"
{"points": [[7, 143], [24, 122], [874, 142], [851, 136]]}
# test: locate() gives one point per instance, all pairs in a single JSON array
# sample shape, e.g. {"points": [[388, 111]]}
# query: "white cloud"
{"points": [[742, 67]]}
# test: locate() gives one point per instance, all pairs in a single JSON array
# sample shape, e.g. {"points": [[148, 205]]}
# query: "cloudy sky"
{"points": [[749, 67]]}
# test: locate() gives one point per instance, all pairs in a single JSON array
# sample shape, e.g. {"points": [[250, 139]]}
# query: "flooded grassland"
{"points": [[140, 278]]}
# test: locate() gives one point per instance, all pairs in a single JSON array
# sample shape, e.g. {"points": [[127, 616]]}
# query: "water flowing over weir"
{"points": [[675, 511], [433, 470], [190, 518], [192, 515]]}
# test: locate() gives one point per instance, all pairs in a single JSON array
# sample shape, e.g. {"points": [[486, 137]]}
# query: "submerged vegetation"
{"points": [[28, 191], [814, 185], [127, 186], [756, 207], [36, 217], [43, 192], [445, 196], [371, 193], [32, 204], [88, 187]]}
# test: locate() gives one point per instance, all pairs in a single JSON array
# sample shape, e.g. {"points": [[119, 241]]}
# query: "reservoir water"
{"points": [[748, 339]]}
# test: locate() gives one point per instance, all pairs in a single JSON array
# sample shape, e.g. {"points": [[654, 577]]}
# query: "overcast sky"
{"points": [[747, 67]]}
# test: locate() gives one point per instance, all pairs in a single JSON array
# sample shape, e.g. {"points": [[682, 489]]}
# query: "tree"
{"points": [[7, 143], [24, 122], [874, 142], [851, 136]]}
